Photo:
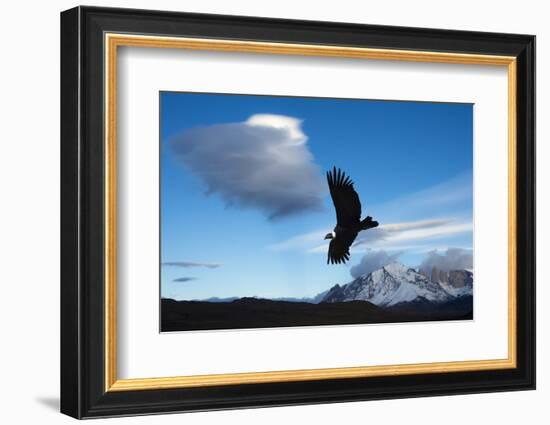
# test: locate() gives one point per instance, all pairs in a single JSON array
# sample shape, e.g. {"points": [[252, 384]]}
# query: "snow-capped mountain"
{"points": [[395, 284]]}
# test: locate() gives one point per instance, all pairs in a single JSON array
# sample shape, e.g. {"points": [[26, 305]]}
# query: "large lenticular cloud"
{"points": [[262, 163]]}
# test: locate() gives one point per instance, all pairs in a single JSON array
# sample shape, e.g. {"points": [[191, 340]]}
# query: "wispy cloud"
{"points": [[262, 163], [415, 230], [188, 264], [453, 196], [300, 242], [392, 236], [184, 279]]}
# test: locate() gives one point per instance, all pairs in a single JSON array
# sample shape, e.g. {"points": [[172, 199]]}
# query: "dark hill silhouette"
{"points": [[245, 313]]}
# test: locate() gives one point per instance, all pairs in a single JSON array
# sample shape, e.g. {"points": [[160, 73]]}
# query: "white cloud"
{"points": [[263, 163], [452, 259], [373, 260], [289, 125]]}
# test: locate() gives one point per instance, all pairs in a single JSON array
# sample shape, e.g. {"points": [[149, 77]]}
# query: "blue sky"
{"points": [[244, 203]]}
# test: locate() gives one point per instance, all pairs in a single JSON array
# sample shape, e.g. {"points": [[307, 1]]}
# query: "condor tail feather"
{"points": [[368, 223]]}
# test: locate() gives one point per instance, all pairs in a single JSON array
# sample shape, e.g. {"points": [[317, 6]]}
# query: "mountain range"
{"points": [[392, 285], [391, 294], [395, 284]]}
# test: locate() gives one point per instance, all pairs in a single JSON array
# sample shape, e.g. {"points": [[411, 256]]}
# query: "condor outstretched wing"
{"points": [[345, 198], [338, 250]]}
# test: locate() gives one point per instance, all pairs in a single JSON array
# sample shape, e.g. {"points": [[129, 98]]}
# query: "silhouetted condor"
{"points": [[348, 216]]}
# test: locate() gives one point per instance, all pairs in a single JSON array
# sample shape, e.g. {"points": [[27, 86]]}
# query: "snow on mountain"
{"points": [[395, 283]]}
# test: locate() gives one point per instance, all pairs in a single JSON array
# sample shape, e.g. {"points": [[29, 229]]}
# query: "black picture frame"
{"points": [[83, 392]]}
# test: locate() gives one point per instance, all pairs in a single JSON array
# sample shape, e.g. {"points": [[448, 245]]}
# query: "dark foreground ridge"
{"points": [[245, 313]]}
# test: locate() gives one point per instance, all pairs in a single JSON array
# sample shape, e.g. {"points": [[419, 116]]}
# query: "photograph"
{"points": [[281, 211]]}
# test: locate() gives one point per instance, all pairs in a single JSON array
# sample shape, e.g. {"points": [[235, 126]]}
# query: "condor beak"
{"points": [[328, 236]]}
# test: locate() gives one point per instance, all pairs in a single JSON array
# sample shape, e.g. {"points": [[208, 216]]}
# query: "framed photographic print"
{"points": [[261, 212]]}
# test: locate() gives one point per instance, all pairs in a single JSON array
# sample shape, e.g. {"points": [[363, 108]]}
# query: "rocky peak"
{"points": [[334, 294], [439, 276], [461, 278]]}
